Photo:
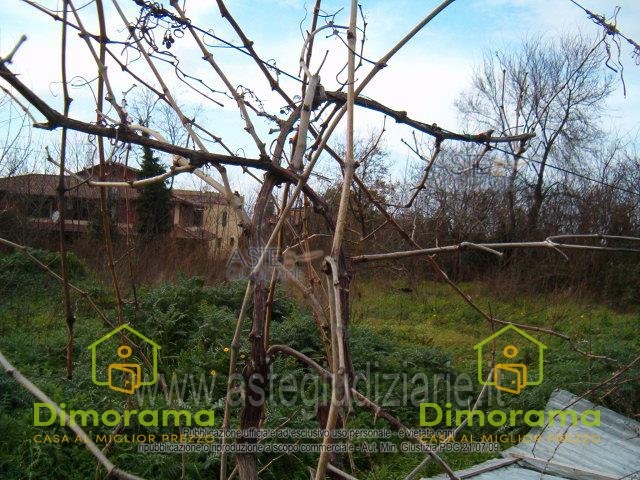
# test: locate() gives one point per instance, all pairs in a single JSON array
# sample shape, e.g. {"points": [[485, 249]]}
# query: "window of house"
{"points": [[186, 215], [224, 219], [39, 207], [197, 217], [84, 209], [232, 241]]}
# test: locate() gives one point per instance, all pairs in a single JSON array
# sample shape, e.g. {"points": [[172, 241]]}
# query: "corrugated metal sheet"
{"points": [[615, 456]]}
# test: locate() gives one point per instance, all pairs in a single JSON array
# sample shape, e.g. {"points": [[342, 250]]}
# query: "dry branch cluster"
{"points": [[300, 135]]}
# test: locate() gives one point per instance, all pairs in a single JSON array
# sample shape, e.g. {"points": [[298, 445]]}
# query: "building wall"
{"points": [[195, 215], [222, 221]]}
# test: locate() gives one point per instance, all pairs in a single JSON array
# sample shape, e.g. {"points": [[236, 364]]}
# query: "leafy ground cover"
{"points": [[396, 333]]}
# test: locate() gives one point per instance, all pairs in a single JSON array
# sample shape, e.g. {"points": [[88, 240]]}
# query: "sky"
{"points": [[424, 78]]}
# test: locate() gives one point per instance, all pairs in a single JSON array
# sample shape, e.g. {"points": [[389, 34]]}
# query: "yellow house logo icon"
{"points": [[123, 375], [509, 374]]}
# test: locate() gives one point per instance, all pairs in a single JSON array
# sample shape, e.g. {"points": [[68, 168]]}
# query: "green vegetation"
{"points": [[433, 315], [154, 203], [429, 332]]}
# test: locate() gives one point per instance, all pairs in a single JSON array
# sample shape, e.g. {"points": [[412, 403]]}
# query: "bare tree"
{"points": [[555, 88], [15, 143], [305, 123]]}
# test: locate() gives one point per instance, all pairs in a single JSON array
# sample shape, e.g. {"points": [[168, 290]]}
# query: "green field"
{"points": [[427, 330]]}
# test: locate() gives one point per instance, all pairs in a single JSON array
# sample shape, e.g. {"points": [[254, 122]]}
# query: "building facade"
{"points": [[196, 215]]}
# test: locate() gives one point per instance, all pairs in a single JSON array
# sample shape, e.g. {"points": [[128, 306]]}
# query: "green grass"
{"points": [[432, 314], [430, 330]]}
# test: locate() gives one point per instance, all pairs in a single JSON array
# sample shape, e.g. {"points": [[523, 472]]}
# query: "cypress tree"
{"points": [[96, 227], [154, 203]]}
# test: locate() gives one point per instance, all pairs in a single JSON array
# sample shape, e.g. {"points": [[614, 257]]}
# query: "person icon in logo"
{"points": [[510, 377], [124, 377]]}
